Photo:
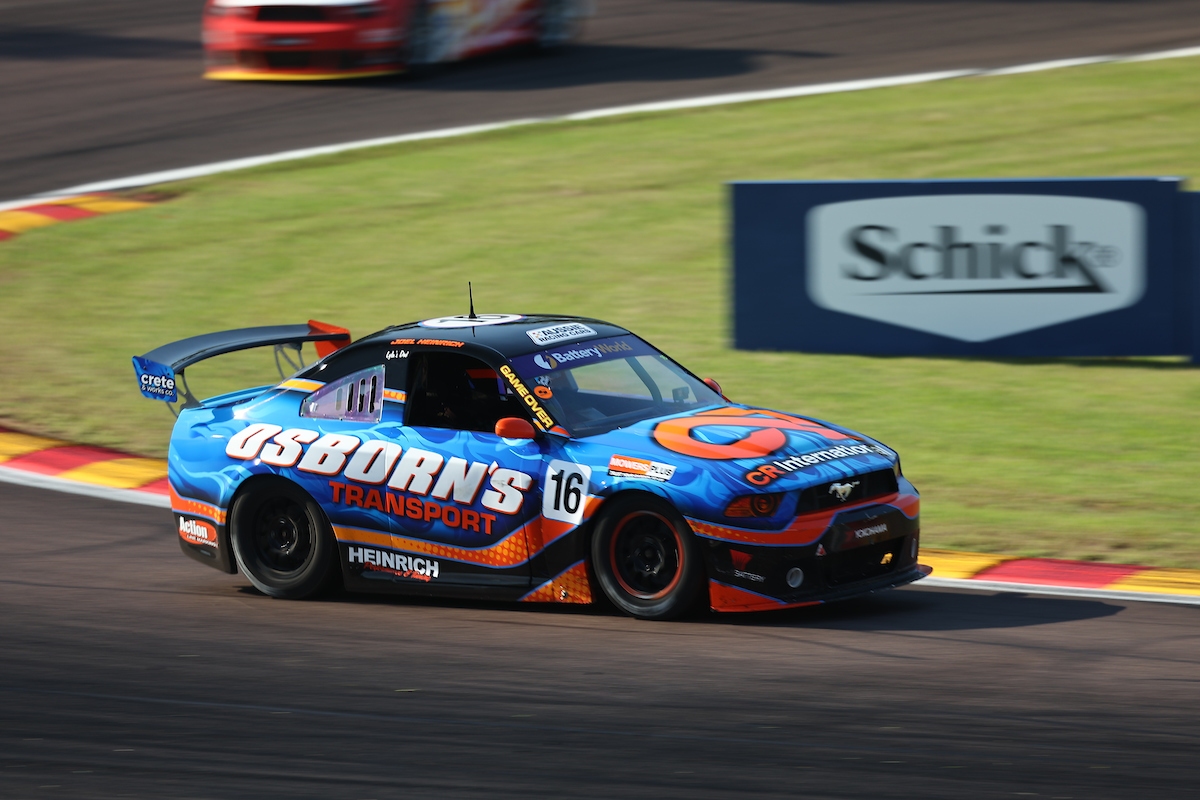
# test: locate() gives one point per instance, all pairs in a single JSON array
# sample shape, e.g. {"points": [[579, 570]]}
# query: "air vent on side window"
{"points": [[358, 397]]}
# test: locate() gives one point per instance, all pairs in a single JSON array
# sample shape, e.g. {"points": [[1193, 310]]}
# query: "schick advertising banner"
{"points": [[1059, 267]]}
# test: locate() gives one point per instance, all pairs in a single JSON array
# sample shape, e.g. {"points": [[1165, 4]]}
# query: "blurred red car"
{"points": [[323, 39]]}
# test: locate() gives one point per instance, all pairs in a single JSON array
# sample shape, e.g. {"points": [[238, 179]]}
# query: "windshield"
{"points": [[596, 386]]}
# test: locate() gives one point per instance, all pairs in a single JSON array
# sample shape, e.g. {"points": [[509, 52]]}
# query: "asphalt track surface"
{"points": [[126, 669], [100, 89]]}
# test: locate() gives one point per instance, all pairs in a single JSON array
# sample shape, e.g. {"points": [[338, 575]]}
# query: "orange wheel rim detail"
{"points": [[637, 557]]}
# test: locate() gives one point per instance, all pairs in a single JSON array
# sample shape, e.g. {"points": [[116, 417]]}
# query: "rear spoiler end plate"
{"points": [[160, 371]]}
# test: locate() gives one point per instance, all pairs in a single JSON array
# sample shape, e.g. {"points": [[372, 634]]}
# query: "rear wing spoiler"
{"points": [[160, 372]]}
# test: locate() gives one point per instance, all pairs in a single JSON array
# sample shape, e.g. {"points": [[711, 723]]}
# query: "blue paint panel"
{"points": [[157, 381]]}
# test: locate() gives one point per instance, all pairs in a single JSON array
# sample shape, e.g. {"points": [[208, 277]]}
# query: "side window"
{"points": [[358, 397], [450, 390]]}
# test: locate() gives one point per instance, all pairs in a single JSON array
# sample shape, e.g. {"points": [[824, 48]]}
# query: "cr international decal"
{"points": [[976, 267]]}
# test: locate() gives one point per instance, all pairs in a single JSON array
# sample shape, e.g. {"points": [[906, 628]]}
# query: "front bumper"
{"points": [[874, 547], [255, 52]]}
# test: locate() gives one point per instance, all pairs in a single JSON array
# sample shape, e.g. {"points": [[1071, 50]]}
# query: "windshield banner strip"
{"points": [[571, 356]]}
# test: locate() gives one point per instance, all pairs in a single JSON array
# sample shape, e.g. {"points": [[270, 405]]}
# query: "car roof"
{"points": [[507, 334]]}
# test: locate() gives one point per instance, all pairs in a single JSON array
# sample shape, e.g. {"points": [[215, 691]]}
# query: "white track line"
{"points": [[167, 176], [934, 582], [23, 478]]}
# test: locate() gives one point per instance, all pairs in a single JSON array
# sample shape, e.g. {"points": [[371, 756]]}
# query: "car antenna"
{"points": [[471, 297]]}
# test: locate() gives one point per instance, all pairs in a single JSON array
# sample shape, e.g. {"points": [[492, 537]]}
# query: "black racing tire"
{"points": [[282, 540], [646, 559]]}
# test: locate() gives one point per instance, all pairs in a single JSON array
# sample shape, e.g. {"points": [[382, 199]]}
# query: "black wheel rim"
{"points": [[646, 555], [282, 535]]}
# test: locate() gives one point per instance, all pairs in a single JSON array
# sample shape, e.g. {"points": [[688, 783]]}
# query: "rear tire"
{"points": [[646, 559], [282, 540]]}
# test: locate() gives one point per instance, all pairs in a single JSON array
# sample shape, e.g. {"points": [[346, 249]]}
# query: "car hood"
{"points": [[735, 450]]}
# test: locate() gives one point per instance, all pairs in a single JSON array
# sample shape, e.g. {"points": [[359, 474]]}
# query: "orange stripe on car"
{"points": [[186, 505]]}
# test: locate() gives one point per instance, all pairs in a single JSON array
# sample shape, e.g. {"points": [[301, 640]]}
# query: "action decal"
{"points": [[764, 433], [197, 531]]}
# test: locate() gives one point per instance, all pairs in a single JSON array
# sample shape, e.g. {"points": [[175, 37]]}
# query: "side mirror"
{"points": [[515, 428], [716, 387]]}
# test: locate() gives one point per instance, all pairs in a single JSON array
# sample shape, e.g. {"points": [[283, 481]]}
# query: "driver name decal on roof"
{"points": [[553, 334], [436, 342]]}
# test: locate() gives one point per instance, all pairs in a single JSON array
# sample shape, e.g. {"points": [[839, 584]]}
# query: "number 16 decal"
{"points": [[565, 490]]}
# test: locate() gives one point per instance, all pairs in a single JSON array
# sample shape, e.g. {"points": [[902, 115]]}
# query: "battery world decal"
{"points": [[765, 474], [196, 531], [758, 433], [376, 462], [572, 357], [556, 359], [415, 567]]}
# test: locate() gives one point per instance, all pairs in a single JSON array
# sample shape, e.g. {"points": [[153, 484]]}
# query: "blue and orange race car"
{"points": [[523, 457]]}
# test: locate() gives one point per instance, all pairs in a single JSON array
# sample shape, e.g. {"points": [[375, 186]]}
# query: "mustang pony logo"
{"points": [[842, 490], [764, 433]]}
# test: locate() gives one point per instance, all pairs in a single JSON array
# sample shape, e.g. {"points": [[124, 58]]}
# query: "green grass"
{"points": [[626, 219]]}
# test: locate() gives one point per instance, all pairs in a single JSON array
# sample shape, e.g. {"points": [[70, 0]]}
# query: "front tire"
{"points": [[646, 559], [281, 539]]}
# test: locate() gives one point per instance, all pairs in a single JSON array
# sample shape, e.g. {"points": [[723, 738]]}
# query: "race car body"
{"points": [[535, 458], [324, 39]]}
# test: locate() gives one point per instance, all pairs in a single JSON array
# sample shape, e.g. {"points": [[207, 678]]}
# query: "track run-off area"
{"points": [[130, 671]]}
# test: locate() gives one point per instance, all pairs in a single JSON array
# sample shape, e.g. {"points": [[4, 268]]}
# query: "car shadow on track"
{"points": [[930, 610], [67, 44], [581, 65], [908, 610]]}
